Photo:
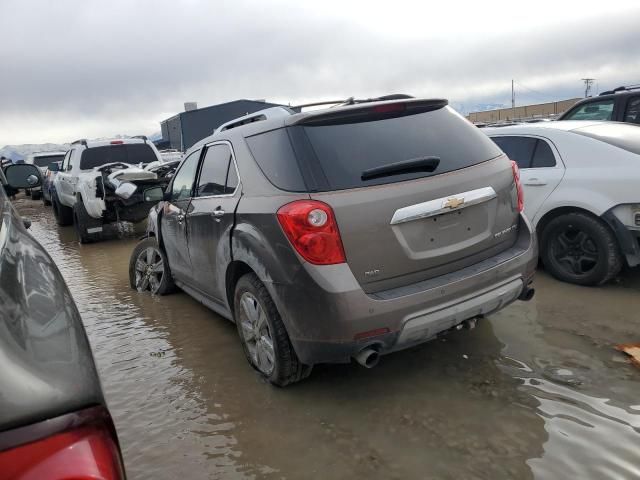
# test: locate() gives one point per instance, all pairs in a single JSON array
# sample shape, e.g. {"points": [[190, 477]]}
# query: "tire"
{"points": [[256, 314], [579, 248], [85, 223], [63, 214], [36, 194], [158, 283]]}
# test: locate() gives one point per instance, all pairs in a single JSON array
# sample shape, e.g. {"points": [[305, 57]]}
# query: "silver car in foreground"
{"points": [[343, 233]]}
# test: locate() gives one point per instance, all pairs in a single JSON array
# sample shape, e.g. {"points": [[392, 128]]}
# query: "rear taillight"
{"points": [[516, 179], [85, 451], [116, 142], [311, 228]]}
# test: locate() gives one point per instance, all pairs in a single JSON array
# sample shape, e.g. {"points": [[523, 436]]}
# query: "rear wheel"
{"points": [[264, 338], [149, 268], [88, 229], [36, 194], [63, 214], [578, 248]]}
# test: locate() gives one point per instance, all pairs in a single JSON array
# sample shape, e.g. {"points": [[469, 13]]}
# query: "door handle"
{"points": [[218, 212], [181, 217], [534, 182]]}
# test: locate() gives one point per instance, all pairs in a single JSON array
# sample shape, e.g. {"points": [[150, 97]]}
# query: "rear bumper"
{"points": [[326, 311]]}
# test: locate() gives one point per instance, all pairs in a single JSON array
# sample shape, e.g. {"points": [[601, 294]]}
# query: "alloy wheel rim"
{"points": [[149, 270], [256, 333], [575, 251]]}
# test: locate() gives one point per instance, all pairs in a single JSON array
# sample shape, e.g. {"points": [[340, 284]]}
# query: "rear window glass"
{"points": [[620, 135], [334, 157], [129, 153], [44, 161]]}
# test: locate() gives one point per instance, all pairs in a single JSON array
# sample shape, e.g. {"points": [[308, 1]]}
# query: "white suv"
{"points": [[105, 181], [581, 188]]}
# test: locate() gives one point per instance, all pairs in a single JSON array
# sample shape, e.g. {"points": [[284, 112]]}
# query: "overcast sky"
{"points": [[89, 68]]}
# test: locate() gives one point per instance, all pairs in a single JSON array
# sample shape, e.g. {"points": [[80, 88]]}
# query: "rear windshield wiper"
{"points": [[424, 164]]}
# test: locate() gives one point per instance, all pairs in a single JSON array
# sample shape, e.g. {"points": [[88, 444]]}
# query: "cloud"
{"points": [[88, 68]]}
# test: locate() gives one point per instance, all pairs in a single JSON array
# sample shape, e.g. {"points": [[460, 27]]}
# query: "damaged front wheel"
{"points": [[149, 269]]}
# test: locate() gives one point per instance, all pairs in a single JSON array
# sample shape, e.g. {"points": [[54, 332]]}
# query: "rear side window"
{"points": [[274, 155], [602, 110], [214, 174], [518, 149], [632, 115], [619, 135], [127, 153], [543, 155], [44, 161]]}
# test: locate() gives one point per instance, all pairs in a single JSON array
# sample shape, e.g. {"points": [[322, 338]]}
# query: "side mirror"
{"points": [[23, 175], [153, 194], [54, 167]]}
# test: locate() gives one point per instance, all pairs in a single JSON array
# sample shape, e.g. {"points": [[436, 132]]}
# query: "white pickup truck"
{"points": [[105, 181]]}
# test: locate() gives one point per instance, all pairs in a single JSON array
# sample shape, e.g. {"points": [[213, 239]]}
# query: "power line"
{"points": [[545, 95]]}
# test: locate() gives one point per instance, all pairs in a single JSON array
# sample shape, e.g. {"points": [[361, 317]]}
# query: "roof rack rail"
{"points": [[267, 113], [82, 141], [142, 137], [621, 89]]}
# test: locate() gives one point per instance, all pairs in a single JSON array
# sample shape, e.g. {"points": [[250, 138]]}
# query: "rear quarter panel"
{"points": [[598, 176]]}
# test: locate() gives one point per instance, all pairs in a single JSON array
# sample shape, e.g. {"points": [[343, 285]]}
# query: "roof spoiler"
{"points": [[370, 111], [142, 137], [82, 141]]}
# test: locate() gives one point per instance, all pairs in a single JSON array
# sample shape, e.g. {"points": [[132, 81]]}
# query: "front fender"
{"points": [[86, 187]]}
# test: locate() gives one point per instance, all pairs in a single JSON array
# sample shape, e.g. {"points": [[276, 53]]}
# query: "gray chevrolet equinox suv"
{"points": [[348, 232]]}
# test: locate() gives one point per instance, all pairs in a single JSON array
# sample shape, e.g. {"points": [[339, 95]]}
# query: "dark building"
{"points": [[186, 128]]}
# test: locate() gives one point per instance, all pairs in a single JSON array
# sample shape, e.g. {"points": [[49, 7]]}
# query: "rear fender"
{"points": [[271, 259]]}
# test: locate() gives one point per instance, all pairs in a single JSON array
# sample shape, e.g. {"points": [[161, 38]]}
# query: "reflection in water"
{"points": [[515, 398]]}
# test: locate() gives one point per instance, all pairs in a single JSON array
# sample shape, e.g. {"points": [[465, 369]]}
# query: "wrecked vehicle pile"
{"points": [[108, 181]]}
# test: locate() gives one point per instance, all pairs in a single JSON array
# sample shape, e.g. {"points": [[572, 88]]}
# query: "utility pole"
{"points": [[513, 100], [587, 85]]}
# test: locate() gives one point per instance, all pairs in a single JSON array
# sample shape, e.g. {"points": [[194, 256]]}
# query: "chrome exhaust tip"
{"points": [[368, 357]]}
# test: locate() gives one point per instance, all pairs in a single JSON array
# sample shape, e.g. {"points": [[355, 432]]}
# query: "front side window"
{"points": [[217, 175], [602, 110], [632, 115], [184, 178], [518, 149]]}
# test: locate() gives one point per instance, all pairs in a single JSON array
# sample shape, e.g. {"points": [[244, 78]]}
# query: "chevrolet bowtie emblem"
{"points": [[453, 202]]}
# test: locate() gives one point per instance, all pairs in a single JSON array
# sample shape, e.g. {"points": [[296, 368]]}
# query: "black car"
{"points": [[621, 104], [54, 422]]}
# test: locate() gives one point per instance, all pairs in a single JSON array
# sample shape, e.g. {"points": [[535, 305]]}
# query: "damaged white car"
{"points": [[108, 181]]}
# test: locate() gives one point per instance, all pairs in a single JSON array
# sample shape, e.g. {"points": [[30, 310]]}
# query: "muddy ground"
{"points": [[535, 391]]}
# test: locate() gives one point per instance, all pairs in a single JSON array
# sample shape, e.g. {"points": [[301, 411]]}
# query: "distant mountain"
{"points": [[20, 152]]}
